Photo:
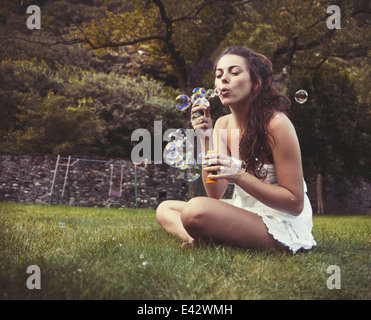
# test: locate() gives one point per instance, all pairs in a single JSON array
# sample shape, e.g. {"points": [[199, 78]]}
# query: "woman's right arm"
{"points": [[216, 190], [203, 130]]}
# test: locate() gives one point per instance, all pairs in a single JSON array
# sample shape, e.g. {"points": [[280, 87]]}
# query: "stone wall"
{"points": [[28, 179]]}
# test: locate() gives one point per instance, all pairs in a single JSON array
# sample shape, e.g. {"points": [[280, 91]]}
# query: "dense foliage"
{"points": [[71, 111]]}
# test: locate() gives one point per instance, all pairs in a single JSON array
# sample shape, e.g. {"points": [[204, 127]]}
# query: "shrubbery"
{"points": [[75, 111]]}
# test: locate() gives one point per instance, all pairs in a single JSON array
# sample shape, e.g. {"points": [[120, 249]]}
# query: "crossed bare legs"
{"points": [[203, 218]]}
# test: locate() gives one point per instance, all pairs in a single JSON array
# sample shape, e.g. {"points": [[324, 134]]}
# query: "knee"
{"points": [[193, 215], [160, 211]]}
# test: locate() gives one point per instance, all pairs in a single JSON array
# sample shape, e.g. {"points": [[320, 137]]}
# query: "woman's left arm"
{"points": [[288, 195]]}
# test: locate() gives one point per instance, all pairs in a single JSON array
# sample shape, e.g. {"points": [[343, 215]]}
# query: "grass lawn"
{"points": [[91, 253]]}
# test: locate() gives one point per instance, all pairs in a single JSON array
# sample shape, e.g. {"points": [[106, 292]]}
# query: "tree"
{"points": [[52, 42], [332, 141], [294, 33], [177, 37]]}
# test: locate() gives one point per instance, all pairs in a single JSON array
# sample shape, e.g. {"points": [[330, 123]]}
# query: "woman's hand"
{"points": [[226, 167], [200, 115]]}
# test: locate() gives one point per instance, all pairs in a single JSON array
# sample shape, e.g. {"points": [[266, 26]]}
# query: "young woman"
{"points": [[271, 208]]}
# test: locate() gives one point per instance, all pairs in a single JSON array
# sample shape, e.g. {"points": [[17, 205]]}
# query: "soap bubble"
{"points": [[183, 165], [186, 148], [202, 100], [239, 166], [191, 171], [301, 96], [201, 91], [173, 153], [171, 136], [182, 102], [195, 118], [178, 153], [232, 166], [178, 150], [210, 93], [180, 134], [195, 97], [217, 91], [201, 157]]}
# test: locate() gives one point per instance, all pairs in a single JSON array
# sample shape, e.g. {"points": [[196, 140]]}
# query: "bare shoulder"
{"points": [[281, 131], [279, 122], [223, 122]]}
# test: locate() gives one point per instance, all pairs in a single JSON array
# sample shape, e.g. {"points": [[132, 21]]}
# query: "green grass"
{"points": [[124, 254]]}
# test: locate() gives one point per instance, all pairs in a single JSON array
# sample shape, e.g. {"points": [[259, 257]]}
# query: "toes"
{"points": [[188, 245]]}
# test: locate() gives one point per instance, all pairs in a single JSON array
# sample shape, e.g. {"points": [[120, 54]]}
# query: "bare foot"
{"points": [[188, 245]]}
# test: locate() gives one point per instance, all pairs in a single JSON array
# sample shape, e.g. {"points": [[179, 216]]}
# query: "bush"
{"points": [[73, 111]]}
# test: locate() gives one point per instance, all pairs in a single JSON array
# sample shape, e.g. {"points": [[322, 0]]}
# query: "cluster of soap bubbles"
{"points": [[301, 96], [199, 95], [178, 154]]}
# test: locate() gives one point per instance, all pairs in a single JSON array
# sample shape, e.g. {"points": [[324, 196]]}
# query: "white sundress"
{"points": [[295, 232]]}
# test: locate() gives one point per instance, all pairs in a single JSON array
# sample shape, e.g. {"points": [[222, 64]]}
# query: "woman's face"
{"points": [[233, 78]]}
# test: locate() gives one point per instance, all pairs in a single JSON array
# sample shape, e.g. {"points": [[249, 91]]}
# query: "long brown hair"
{"points": [[263, 101]]}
